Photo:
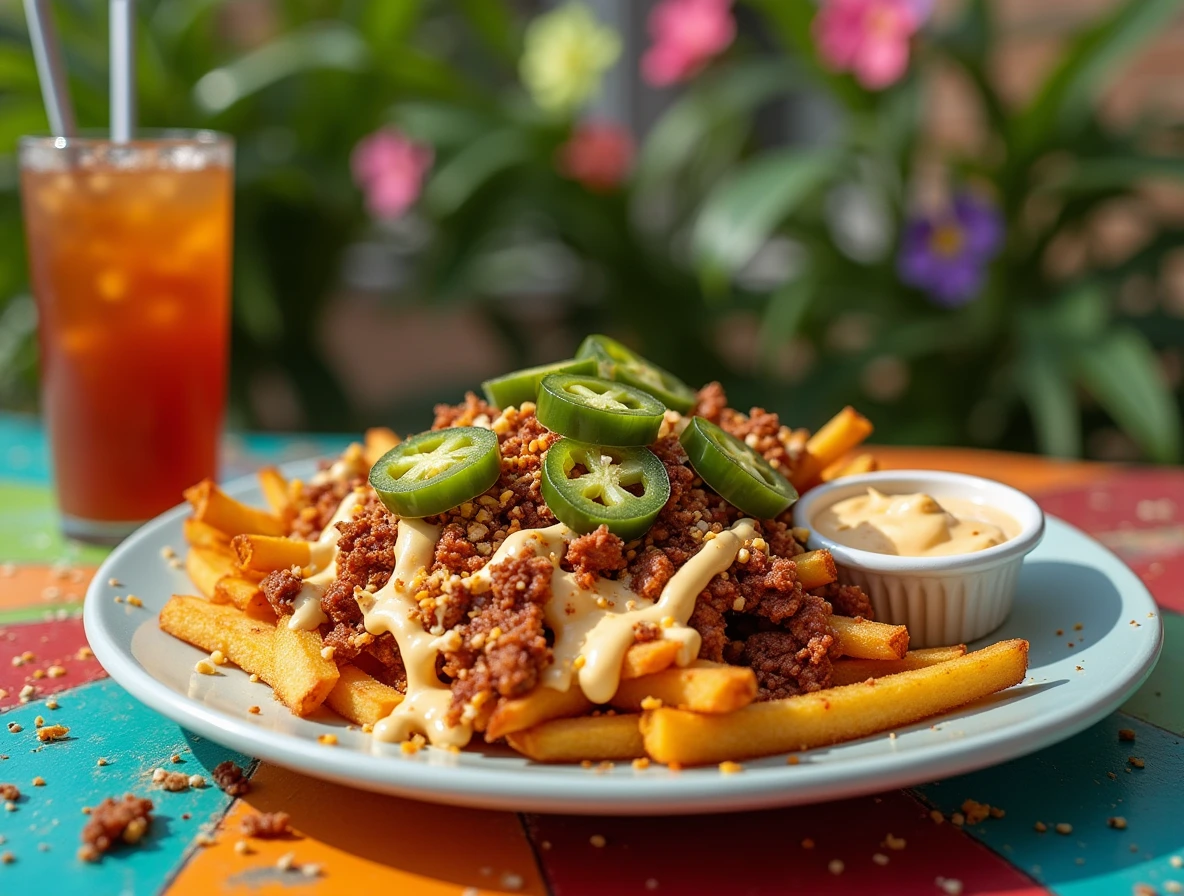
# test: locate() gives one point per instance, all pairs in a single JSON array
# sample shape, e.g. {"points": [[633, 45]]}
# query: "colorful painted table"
{"points": [[889, 843]]}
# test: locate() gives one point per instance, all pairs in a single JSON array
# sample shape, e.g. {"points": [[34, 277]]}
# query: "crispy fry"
{"points": [[836, 437], [592, 738], [701, 688], [203, 535], [246, 642], [301, 677], [245, 595], [870, 640], [861, 463], [206, 567], [361, 698], [834, 715], [649, 657], [815, 569], [540, 705], [849, 671], [379, 440], [275, 492], [264, 553], [212, 505]]}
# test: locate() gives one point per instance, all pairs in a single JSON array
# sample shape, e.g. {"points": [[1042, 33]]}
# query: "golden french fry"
{"points": [[275, 492], [301, 677], [244, 641], [212, 505], [379, 440], [245, 595], [206, 567], [862, 463], [203, 535], [264, 553], [648, 657], [361, 698], [592, 738], [815, 569], [836, 437], [701, 688], [540, 705], [834, 715], [868, 640], [850, 671]]}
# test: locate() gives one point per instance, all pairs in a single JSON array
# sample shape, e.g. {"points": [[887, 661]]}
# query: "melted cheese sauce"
{"points": [[306, 607]]}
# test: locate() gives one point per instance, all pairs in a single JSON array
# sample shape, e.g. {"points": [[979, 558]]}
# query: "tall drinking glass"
{"points": [[129, 254]]}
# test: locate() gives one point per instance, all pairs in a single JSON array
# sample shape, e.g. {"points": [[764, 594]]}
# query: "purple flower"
{"points": [[946, 254]]}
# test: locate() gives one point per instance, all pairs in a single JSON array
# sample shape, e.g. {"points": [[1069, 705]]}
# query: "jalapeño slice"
{"points": [[587, 486], [523, 385], [601, 412], [740, 475], [436, 471], [617, 362]]}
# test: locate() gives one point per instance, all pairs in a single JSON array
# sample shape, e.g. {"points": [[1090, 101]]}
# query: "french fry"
{"points": [[379, 440], [842, 433], [648, 657], [587, 737], [206, 567], [815, 569], [212, 505], [701, 688], [301, 677], [244, 641], [834, 715], [203, 535], [850, 671], [868, 640], [245, 595], [275, 492], [361, 698], [540, 705], [862, 463], [264, 553]]}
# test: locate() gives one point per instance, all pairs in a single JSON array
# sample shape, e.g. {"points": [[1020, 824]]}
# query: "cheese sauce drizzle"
{"points": [[306, 607]]}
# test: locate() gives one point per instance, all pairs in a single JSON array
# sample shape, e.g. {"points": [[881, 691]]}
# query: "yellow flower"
{"points": [[565, 53]]}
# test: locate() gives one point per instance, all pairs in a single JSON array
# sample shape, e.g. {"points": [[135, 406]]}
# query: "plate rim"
{"points": [[691, 791]]}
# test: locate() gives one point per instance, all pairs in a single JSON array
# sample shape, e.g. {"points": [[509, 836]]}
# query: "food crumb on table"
{"points": [[267, 825], [1136, 761], [114, 821], [1127, 734], [598, 841], [835, 866], [949, 885], [230, 779], [1064, 828], [1117, 822], [879, 858]]}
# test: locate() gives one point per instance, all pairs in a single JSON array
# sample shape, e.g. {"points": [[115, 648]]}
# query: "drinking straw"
{"points": [[123, 70], [50, 71]]}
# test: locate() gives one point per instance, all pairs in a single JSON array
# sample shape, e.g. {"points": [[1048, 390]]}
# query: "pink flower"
{"points": [[389, 168], [687, 34], [598, 154], [869, 38]]}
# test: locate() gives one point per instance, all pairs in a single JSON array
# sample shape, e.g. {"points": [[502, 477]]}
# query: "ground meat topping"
{"points": [[710, 402], [474, 412], [319, 504], [848, 600], [112, 821], [230, 779], [267, 825], [595, 554], [796, 661], [280, 587], [762, 431]]}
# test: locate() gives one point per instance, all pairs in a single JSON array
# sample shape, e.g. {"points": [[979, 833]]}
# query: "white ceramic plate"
{"points": [[1069, 579]]}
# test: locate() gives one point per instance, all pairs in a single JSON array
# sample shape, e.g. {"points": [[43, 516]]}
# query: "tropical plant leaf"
{"points": [[1047, 389], [387, 25], [1091, 175], [494, 23], [784, 315], [1122, 373], [741, 213], [461, 176]]}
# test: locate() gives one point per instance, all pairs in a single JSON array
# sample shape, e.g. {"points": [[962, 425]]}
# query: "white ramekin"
{"points": [[942, 600]]}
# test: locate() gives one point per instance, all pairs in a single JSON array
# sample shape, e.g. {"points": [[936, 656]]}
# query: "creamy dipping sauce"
{"points": [[914, 525]]}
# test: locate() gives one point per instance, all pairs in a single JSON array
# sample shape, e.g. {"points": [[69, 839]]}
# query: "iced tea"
{"points": [[129, 255]]}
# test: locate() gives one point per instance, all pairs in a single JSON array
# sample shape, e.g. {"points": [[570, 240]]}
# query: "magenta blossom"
{"points": [[947, 254], [869, 38], [389, 168], [687, 35]]}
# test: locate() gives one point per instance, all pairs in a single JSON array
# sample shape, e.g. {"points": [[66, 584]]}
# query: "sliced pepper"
{"points": [[740, 475], [620, 363], [514, 388], [597, 411], [587, 486], [437, 471]]}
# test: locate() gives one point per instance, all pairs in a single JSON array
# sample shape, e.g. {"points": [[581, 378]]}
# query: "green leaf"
{"points": [[1091, 175], [1052, 402], [446, 126], [387, 25], [1122, 373], [493, 21], [1065, 101], [462, 175], [784, 316], [741, 213]]}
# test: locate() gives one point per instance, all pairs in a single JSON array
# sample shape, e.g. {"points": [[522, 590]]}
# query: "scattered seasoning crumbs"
{"points": [[949, 885], [254, 710], [807, 843], [14, 727], [39, 781], [1117, 822], [51, 704], [1173, 886], [598, 841], [1112, 776], [134, 601], [936, 815], [267, 825], [651, 703], [835, 867], [1176, 862], [205, 667], [10, 792], [175, 758], [243, 848], [1064, 828], [118, 599], [879, 858], [84, 653], [730, 768], [329, 739], [792, 760], [651, 883], [641, 763], [197, 781], [254, 677], [101, 761], [1126, 734], [1136, 761], [218, 658], [1040, 827], [895, 842], [957, 818], [52, 732], [8, 858], [171, 781], [115, 583]]}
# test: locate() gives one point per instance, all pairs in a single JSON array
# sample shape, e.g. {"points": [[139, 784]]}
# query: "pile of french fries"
{"points": [[681, 716]]}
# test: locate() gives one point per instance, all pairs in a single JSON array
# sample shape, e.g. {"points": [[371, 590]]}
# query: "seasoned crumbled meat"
{"points": [[503, 647], [280, 587], [762, 431], [10, 792], [848, 600], [320, 503], [594, 554], [646, 631], [171, 781], [473, 412], [455, 552], [114, 820], [230, 779], [796, 661], [651, 571], [267, 825], [710, 402]]}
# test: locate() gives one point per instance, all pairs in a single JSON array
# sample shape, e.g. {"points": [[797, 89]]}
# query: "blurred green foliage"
{"points": [[715, 242]]}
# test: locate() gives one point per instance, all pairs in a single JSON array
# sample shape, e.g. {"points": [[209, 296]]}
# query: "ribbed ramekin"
{"points": [[943, 600]]}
